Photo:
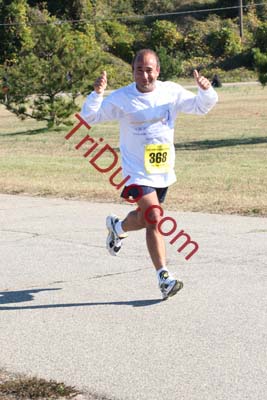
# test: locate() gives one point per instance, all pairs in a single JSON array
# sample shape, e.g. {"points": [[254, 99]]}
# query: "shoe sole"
{"points": [[111, 250], [111, 228], [178, 286]]}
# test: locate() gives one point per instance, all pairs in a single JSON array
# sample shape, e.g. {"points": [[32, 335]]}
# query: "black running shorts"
{"points": [[137, 191]]}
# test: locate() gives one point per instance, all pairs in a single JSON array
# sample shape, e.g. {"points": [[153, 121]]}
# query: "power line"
{"points": [[139, 16], [192, 11]]}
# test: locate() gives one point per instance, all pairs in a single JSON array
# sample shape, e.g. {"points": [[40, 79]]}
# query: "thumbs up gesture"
{"points": [[101, 83], [201, 81]]}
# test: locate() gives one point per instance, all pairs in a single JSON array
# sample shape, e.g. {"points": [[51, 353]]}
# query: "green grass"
{"points": [[221, 158]]}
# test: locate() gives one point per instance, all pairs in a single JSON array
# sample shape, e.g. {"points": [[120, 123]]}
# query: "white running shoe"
{"points": [[168, 285], [114, 241]]}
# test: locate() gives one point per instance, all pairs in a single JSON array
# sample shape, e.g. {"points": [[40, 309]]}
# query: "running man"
{"points": [[146, 110]]}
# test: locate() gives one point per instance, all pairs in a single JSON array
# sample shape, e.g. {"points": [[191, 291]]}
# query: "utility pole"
{"points": [[241, 18]]}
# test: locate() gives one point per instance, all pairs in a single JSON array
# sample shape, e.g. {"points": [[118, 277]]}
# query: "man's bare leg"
{"points": [[148, 217], [133, 221]]}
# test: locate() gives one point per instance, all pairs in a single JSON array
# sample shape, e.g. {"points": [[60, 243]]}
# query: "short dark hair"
{"points": [[141, 53]]}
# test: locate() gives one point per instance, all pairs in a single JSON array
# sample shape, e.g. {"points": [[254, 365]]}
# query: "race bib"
{"points": [[157, 158]]}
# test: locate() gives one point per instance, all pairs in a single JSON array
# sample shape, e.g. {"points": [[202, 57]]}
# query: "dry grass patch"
{"points": [[221, 158], [23, 388]]}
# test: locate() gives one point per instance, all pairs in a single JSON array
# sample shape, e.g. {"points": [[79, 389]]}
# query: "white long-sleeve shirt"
{"points": [[147, 119]]}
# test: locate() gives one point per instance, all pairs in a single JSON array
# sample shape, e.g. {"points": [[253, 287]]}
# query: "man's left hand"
{"points": [[201, 81]]}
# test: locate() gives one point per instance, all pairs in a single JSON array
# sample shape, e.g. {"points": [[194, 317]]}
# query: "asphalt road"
{"points": [[71, 312]]}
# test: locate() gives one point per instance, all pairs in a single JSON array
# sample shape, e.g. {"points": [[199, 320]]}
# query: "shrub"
{"points": [[120, 40], [224, 42], [170, 66], [260, 60], [165, 34], [260, 37]]}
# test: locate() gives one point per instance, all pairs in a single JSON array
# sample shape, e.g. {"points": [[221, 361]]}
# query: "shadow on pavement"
{"points": [[133, 303], [20, 296]]}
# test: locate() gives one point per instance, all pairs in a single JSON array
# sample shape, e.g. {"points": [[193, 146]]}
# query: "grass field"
{"points": [[221, 158]]}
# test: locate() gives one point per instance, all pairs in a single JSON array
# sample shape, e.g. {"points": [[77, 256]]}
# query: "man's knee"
{"points": [[152, 216]]}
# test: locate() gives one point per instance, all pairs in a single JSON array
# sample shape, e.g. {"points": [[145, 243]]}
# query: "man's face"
{"points": [[146, 72]]}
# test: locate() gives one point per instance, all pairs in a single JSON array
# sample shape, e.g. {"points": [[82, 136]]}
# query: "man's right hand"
{"points": [[101, 83]]}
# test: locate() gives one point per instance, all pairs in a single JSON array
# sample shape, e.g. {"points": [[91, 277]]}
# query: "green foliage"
{"points": [[48, 58], [66, 9], [75, 9], [165, 34], [17, 34], [260, 37], [260, 60], [224, 41], [194, 44], [233, 75], [46, 79], [117, 7], [251, 20], [262, 12], [119, 72], [195, 33], [142, 36], [119, 39], [170, 66], [108, 8], [164, 6], [199, 63], [144, 6]]}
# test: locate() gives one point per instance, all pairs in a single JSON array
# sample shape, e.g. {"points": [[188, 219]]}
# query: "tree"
{"points": [[260, 52], [155, 6], [66, 9], [260, 37], [164, 33], [260, 60], [224, 41], [16, 33], [46, 78], [170, 66], [118, 39]]}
